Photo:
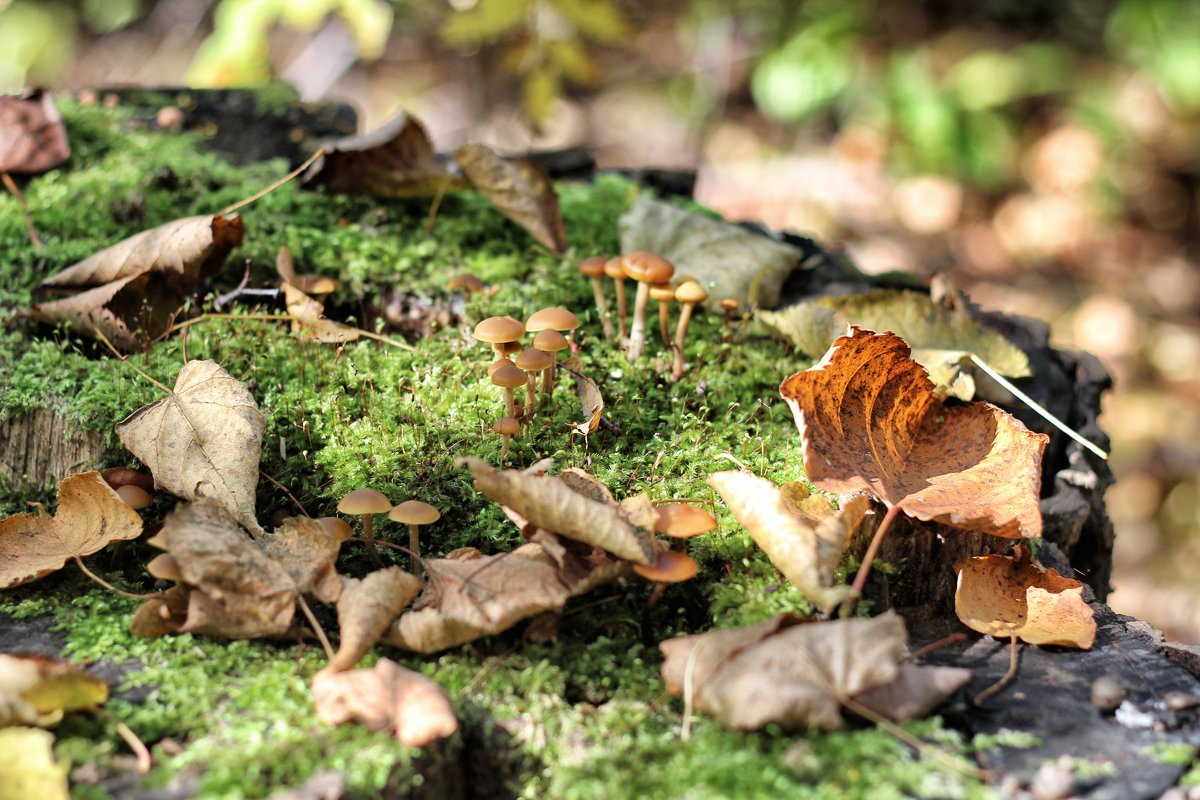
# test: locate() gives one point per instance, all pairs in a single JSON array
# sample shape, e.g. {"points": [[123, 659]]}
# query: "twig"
{"points": [[282, 318], [316, 627], [864, 569], [945, 641], [920, 745], [443, 186], [285, 491], [263, 192], [11, 185], [1005, 679], [123, 358], [144, 759], [110, 587]]}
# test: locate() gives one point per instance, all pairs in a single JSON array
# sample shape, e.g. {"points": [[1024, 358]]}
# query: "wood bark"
{"points": [[42, 448]]}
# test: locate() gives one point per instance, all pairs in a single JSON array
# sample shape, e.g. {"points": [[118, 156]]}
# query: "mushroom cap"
{"points": [[670, 567], [593, 267], [467, 282], [729, 304], [551, 341], [613, 269], [509, 376], [499, 329], [119, 476], [497, 364], [691, 292], [511, 348], [647, 267], [164, 567], [337, 528], [683, 521], [534, 360], [364, 501], [133, 496], [414, 512], [315, 284], [507, 426], [662, 291], [553, 318]]}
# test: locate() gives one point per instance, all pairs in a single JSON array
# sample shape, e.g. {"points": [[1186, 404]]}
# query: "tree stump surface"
{"points": [[42, 447]]}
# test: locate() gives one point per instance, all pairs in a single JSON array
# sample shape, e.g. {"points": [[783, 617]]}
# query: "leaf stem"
{"points": [[920, 745], [864, 569], [316, 627], [264, 192], [11, 185], [125, 359], [1006, 678], [109, 586], [144, 759], [285, 491]]}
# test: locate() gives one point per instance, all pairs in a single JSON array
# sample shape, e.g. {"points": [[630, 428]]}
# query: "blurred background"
{"points": [[1044, 153]]}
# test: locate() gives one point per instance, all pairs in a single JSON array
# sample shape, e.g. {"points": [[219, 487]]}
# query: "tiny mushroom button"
{"points": [[414, 514], [506, 427], [509, 377], [552, 319], [645, 268]]}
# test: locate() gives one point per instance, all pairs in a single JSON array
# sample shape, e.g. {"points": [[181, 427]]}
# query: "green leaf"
{"points": [[485, 21], [599, 20]]}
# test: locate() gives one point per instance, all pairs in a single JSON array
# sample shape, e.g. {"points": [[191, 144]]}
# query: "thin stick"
{"points": [[110, 587], [281, 318], [381, 543], [16, 192], [864, 569], [316, 626], [144, 759], [945, 641], [123, 358], [263, 192], [285, 491], [920, 745], [1029, 401], [1005, 679], [443, 185]]}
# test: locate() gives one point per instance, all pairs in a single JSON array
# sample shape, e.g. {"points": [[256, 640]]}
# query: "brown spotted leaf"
{"points": [[1003, 595], [32, 136], [387, 697], [304, 548], [89, 516], [365, 610], [204, 440], [520, 189], [869, 421], [37, 690]]}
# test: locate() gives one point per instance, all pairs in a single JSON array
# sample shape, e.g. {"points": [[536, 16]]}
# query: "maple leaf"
{"points": [[37, 690], [365, 610], [28, 768], [32, 136], [386, 697], [520, 189], [89, 516], [1006, 595], [202, 440]]}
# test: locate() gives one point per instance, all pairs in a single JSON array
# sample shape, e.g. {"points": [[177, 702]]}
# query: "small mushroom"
{"points": [[645, 268], [117, 477], [671, 566], [337, 529], [683, 521], [551, 319], [363, 503], [594, 268], [664, 293], [730, 306], [498, 331], [133, 496], [689, 294], [414, 514], [497, 364], [551, 342], [508, 377], [468, 283], [506, 427], [533, 361], [614, 270]]}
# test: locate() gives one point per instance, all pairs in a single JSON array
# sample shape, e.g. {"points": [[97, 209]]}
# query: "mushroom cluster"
{"points": [[366, 503]]}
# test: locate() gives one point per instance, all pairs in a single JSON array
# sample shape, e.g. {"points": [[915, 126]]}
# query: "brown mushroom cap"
{"points": [[467, 282], [496, 330], [683, 521], [497, 364], [119, 476], [534, 360], [551, 341], [729, 304], [555, 318], [510, 348], [647, 267], [133, 496], [690, 292], [509, 376], [337, 529], [414, 512], [593, 267], [613, 268], [164, 567], [364, 501], [662, 291], [671, 567], [315, 284], [507, 426]]}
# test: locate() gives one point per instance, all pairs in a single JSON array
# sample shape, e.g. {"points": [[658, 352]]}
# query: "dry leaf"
{"points": [[304, 548], [592, 403], [36, 690], [89, 516], [708, 652], [28, 768], [916, 691], [870, 421], [1003, 595], [365, 610], [549, 503], [520, 189], [386, 697], [32, 136], [309, 284], [309, 323], [203, 440], [805, 547]]}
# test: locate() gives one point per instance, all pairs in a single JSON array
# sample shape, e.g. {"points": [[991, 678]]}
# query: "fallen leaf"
{"points": [[707, 652], [202, 440], [309, 284], [1003, 595], [520, 189], [942, 339], [365, 610], [28, 768], [869, 421], [727, 259], [32, 136], [308, 319], [307, 551], [89, 516], [805, 547], [37, 690], [549, 503], [387, 697], [591, 402], [916, 691]]}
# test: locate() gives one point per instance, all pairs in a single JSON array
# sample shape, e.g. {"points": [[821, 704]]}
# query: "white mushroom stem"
{"points": [[637, 330], [685, 315], [510, 402], [530, 393], [602, 307]]}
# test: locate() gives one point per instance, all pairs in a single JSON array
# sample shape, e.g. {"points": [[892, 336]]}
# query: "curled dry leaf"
{"points": [[1003, 595], [549, 503], [308, 319], [32, 136], [520, 189], [28, 768], [805, 541], [869, 421], [37, 690], [387, 697], [89, 516], [202, 440], [307, 550], [592, 403], [365, 610]]}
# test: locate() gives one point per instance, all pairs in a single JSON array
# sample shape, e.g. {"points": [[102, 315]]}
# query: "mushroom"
{"points": [[414, 514], [550, 341], [614, 270], [117, 477], [594, 268], [508, 377], [671, 566], [133, 496], [682, 521], [506, 427], [556, 319], [499, 330], [533, 361], [497, 364], [467, 282], [689, 294], [645, 268], [363, 503], [730, 306], [337, 529], [664, 293]]}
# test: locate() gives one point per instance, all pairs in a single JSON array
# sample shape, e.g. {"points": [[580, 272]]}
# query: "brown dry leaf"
{"points": [[203, 440], [309, 284], [365, 610], [869, 421], [805, 545], [916, 691], [520, 189], [89, 516], [796, 676], [32, 136], [303, 547], [709, 651], [28, 768], [592, 403], [551, 504], [1003, 595], [395, 160], [309, 323], [37, 690], [387, 697]]}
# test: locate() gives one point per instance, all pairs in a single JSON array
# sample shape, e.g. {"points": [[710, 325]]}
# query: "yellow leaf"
{"points": [[539, 90], [600, 20], [485, 21], [573, 61], [28, 768]]}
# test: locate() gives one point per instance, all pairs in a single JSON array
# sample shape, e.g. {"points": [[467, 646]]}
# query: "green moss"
{"points": [[1179, 753]]}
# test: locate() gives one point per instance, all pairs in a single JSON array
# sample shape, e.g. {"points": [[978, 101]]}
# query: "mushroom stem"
{"points": [[530, 393], [414, 544], [504, 450], [602, 307], [637, 330], [369, 538], [510, 402], [622, 315], [664, 322], [685, 316], [548, 377]]}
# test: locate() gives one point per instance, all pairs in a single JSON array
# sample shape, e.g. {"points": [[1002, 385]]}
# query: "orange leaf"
{"points": [[32, 136]]}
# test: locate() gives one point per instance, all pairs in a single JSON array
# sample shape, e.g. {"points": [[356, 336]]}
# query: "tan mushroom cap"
{"points": [[662, 291], [315, 284], [613, 268], [496, 330], [337, 529], [730, 304], [551, 341], [647, 267], [691, 292], [364, 501], [671, 567], [466, 281], [133, 496], [511, 348], [507, 426], [593, 267], [534, 360], [164, 567], [509, 376], [414, 512], [554, 318], [497, 364], [683, 521]]}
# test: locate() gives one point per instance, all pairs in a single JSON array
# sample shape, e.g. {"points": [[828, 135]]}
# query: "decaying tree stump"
{"points": [[42, 447]]}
